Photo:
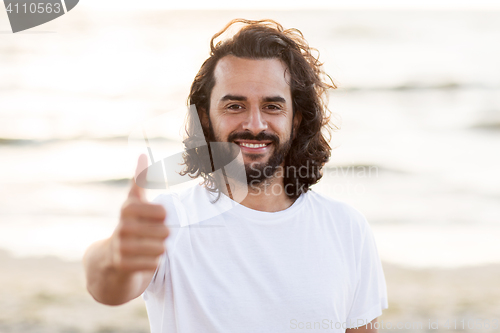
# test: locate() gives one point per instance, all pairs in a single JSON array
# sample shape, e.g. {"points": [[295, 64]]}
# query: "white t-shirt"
{"points": [[312, 266]]}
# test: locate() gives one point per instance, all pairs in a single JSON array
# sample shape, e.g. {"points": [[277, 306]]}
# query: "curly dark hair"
{"points": [[309, 83]]}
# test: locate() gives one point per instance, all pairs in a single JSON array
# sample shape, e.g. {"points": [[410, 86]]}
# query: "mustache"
{"points": [[249, 136]]}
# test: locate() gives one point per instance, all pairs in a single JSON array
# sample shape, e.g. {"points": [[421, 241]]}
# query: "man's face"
{"points": [[251, 105]]}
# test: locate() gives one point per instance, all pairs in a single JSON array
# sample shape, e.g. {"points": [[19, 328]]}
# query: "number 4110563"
{"points": [[470, 324], [33, 8]]}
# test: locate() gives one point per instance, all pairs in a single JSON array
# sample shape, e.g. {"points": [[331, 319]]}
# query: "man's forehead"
{"points": [[234, 69]]}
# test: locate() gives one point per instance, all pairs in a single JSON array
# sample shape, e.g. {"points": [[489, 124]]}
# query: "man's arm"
{"points": [[107, 283], [368, 328], [120, 268]]}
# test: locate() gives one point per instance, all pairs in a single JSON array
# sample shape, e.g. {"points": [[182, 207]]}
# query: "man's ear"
{"points": [[297, 119]]}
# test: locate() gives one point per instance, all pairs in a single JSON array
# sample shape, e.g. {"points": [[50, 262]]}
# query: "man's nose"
{"points": [[255, 121]]}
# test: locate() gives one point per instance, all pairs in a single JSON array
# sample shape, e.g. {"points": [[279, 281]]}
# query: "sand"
{"points": [[48, 295], [467, 297]]}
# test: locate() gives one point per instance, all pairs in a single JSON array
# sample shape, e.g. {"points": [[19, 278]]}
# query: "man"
{"points": [[281, 257]]}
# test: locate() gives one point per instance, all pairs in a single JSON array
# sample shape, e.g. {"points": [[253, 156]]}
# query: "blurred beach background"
{"points": [[418, 103]]}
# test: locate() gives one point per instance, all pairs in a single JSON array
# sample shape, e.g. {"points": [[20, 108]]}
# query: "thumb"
{"points": [[139, 182]]}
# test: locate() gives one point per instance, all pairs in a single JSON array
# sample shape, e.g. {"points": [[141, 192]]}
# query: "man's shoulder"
{"points": [[339, 210]]}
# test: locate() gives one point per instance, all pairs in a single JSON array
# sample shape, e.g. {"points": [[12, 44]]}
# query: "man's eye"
{"points": [[234, 107], [273, 107]]}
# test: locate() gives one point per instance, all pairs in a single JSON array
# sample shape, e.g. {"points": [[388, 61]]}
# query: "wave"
{"points": [[119, 182], [123, 139], [418, 86], [487, 126], [19, 142]]}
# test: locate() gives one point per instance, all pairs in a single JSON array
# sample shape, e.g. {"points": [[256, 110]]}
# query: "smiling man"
{"points": [[281, 259], [251, 106]]}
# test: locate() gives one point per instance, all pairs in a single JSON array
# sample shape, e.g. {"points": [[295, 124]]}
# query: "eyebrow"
{"points": [[233, 98], [277, 99], [240, 98]]}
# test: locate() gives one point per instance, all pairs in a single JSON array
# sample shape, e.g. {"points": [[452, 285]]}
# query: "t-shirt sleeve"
{"points": [[370, 295]]}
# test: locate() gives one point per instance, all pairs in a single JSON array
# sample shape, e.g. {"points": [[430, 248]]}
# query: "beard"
{"points": [[258, 172]]}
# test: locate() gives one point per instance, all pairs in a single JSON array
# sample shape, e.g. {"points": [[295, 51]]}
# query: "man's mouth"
{"points": [[253, 145], [257, 146]]}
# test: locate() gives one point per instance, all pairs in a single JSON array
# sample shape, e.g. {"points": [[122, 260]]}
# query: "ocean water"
{"points": [[418, 104]]}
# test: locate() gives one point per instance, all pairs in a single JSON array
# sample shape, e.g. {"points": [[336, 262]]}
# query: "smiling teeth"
{"points": [[252, 145]]}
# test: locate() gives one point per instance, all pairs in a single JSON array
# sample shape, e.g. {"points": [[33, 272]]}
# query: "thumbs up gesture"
{"points": [[138, 241], [119, 268]]}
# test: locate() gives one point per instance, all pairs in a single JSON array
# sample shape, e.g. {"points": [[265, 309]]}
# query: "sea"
{"points": [[417, 105]]}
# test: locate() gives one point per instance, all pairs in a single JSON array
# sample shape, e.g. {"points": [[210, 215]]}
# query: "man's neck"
{"points": [[267, 197]]}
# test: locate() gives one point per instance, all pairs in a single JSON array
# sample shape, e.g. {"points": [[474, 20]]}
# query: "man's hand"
{"points": [[138, 240], [120, 268]]}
